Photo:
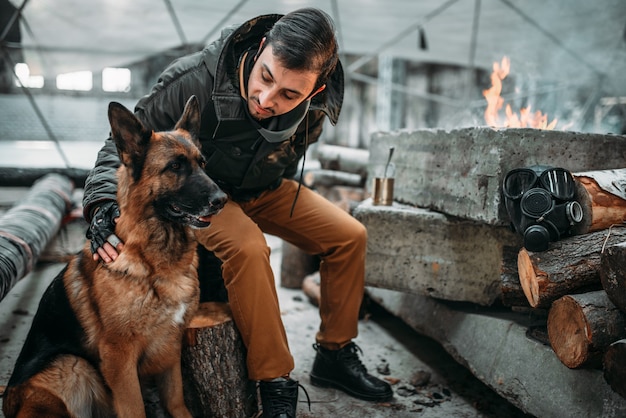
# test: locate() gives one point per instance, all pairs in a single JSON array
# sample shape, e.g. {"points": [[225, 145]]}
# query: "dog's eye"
{"points": [[202, 164], [175, 166]]}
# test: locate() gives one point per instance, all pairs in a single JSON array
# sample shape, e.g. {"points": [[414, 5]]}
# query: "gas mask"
{"points": [[541, 205]]}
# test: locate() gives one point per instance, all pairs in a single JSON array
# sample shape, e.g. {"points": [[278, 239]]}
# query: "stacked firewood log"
{"points": [[581, 281]]}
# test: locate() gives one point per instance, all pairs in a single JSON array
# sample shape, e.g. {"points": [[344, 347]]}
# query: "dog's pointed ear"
{"points": [[190, 120], [129, 134]]}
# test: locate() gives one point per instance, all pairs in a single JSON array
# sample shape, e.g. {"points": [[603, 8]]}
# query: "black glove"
{"points": [[102, 225]]}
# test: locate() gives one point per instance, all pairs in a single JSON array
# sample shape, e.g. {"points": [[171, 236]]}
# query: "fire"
{"points": [[495, 102]]}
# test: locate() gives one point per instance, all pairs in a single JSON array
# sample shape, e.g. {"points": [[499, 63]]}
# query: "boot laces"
{"points": [[349, 355], [308, 400], [280, 401]]}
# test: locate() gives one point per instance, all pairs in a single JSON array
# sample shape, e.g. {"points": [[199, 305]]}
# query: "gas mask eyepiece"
{"points": [[540, 201]]}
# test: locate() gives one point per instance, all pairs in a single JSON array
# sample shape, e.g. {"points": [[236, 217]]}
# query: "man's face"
{"points": [[273, 89]]}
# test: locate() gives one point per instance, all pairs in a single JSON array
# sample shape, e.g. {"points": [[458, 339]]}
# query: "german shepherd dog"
{"points": [[101, 328]]}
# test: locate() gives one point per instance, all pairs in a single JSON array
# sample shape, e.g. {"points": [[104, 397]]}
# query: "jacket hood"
{"points": [[223, 57]]}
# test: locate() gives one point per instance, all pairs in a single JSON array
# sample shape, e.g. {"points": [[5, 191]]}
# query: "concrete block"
{"points": [[495, 348], [425, 252], [460, 172]]}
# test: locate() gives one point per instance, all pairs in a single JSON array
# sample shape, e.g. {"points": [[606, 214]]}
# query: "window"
{"points": [[116, 79], [79, 80], [25, 79]]}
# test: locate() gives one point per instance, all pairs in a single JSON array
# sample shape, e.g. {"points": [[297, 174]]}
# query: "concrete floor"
{"points": [[391, 349]]}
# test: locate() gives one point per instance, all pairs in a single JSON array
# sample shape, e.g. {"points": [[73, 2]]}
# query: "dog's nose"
{"points": [[218, 199]]}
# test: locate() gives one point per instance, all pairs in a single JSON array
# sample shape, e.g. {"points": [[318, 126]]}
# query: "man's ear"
{"points": [[261, 45], [320, 89]]}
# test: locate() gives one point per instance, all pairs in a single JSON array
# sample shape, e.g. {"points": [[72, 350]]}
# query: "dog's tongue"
{"points": [[206, 218]]}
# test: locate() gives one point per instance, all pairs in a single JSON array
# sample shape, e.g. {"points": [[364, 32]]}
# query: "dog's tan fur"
{"points": [[134, 310]]}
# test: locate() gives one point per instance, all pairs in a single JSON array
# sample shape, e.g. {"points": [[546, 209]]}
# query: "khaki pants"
{"points": [[317, 227]]}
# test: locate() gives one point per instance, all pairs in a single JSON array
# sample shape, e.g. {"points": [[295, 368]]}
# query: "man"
{"points": [[265, 88]]}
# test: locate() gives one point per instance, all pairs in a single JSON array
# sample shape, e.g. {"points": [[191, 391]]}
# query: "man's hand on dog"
{"points": [[105, 244]]}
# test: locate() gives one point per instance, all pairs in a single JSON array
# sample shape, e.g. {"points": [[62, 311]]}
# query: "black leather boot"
{"points": [[279, 398], [342, 369]]}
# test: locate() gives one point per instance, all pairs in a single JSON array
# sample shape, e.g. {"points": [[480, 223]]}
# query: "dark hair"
{"points": [[305, 40]]}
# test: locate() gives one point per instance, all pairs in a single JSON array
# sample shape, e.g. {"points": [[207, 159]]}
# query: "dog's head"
{"points": [[164, 170]]}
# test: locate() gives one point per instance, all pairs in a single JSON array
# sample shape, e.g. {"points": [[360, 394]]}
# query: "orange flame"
{"points": [[525, 118]]}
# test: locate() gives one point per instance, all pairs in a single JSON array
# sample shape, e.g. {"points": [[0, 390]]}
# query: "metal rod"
{"points": [[391, 149], [553, 38], [177, 25]]}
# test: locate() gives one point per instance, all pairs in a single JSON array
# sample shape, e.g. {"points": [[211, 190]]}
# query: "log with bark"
{"points": [[28, 226], [349, 160], [295, 265], [512, 293], [581, 327], [613, 274], [614, 365], [215, 375], [329, 178], [602, 195], [311, 288], [28, 176], [571, 265]]}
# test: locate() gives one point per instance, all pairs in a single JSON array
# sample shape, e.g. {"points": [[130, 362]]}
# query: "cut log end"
{"points": [[601, 208], [209, 315], [528, 277], [567, 331], [581, 327]]}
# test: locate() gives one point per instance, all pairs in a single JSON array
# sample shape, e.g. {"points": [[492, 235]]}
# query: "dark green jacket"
{"points": [[239, 158]]}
